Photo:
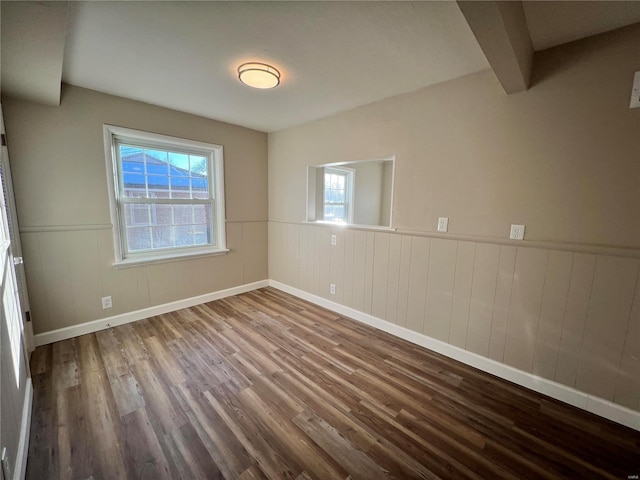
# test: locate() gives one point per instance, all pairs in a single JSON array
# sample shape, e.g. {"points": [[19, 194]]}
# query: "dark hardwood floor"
{"points": [[264, 385]]}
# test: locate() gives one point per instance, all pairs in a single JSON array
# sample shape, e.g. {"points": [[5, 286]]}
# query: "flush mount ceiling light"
{"points": [[258, 75]]}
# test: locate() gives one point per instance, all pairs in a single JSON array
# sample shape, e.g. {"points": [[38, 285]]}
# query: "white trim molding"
{"points": [[64, 228], [594, 249], [598, 406], [25, 427], [104, 323]]}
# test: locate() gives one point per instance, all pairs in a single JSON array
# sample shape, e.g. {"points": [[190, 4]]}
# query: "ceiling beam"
{"points": [[501, 30], [32, 42]]}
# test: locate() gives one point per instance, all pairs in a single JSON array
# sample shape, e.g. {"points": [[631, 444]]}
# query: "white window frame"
{"points": [[349, 175], [113, 135]]}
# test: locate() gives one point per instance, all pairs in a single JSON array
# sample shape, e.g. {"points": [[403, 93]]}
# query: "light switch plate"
{"points": [[443, 224], [517, 232]]}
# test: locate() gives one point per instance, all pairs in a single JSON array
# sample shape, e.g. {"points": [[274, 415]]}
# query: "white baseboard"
{"points": [[25, 427], [604, 408], [101, 324]]}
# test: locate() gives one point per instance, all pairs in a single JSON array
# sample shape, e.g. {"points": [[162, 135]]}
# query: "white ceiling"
{"points": [[555, 23], [333, 56]]}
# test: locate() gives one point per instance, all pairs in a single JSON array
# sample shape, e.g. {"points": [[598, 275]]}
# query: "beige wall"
{"points": [[59, 172], [562, 158]]}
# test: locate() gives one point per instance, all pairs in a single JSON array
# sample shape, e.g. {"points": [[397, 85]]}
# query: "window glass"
{"points": [[164, 194], [337, 185]]}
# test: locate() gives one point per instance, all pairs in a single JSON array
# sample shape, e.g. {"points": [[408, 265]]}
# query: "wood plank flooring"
{"points": [[264, 385]]}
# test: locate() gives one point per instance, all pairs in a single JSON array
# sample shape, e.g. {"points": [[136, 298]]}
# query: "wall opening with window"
{"points": [[351, 193]]}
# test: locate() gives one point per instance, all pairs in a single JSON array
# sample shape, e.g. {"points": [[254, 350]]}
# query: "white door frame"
{"points": [[16, 247]]}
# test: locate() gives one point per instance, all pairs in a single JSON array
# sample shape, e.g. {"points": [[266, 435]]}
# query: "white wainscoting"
{"points": [[598, 406]]}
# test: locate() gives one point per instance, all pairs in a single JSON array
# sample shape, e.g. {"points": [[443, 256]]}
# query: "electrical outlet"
{"points": [[334, 240], [106, 302], [517, 232], [443, 224], [332, 288]]}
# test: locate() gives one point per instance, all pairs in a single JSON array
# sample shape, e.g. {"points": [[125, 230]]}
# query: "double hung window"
{"points": [[166, 195], [338, 195]]}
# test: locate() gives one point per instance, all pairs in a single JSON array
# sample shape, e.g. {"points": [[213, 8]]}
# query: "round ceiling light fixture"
{"points": [[258, 75]]}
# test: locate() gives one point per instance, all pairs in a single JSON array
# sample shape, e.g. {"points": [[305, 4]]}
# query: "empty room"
{"points": [[320, 240]]}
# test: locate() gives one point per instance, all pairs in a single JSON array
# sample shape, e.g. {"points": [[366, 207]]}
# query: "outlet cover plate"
{"points": [[106, 302], [443, 224], [517, 232], [334, 240]]}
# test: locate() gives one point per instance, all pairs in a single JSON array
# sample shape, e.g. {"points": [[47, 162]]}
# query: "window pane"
{"points": [[158, 192], [336, 189], [200, 234], [336, 196], [198, 166], [156, 162], [335, 212], [184, 236], [162, 237], [201, 214], [139, 238], [157, 157], [187, 235], [157, 186], [183, 214], [167, 226], [179, 163], [180, 187], [161, 214], [200, 187], [134, 192], [133, 170], [132, 159], [136, 215], [148, 173], [332, 181]]}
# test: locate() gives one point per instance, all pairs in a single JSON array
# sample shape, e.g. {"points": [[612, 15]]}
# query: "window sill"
{"points": [[355, 226], [171, 257]]}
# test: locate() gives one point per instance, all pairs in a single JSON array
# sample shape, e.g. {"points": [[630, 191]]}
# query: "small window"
{"points": [[338, 195], [166, 196]]}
